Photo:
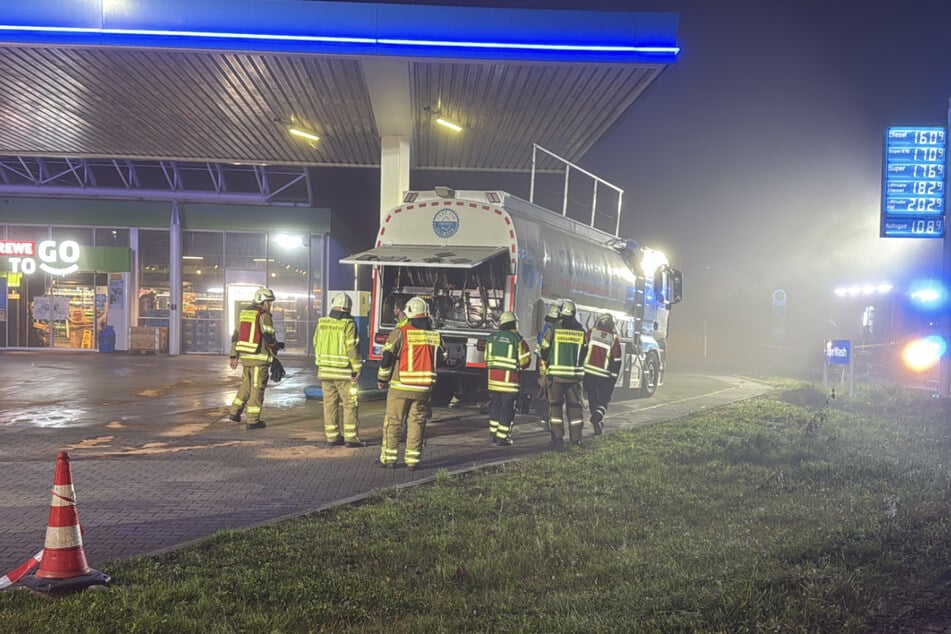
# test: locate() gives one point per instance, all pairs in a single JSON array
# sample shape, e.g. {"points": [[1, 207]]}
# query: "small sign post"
{"points": [[838, 352]]}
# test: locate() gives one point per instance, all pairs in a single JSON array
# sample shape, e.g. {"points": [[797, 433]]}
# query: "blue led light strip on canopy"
{"points": [[348, 28]]}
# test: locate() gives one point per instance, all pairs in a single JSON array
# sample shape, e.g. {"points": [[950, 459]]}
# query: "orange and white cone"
{"points": [[63, 567]]}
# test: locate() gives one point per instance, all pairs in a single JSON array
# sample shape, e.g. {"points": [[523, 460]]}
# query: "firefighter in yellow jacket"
{"points": [[505, 354], [408, 369], [254, 344], [562, 349], [337, 355]]}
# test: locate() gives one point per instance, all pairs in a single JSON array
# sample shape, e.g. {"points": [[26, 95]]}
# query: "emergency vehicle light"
{"points": [[924, 354]]}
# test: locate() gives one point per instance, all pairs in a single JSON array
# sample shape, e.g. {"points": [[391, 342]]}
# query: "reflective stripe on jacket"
{"points": [[255, 331], [603, 356], [505, 353], [413, 353], [564, 352], [337, 348]]}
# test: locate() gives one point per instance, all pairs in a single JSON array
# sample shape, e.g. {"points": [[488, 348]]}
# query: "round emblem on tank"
{"points": [[445, 223]]}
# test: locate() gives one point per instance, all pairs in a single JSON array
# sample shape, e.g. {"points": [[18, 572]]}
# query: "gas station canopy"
{"points": [[225, 81]]}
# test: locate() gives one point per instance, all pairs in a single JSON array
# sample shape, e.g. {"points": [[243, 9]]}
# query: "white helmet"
{"points": [[416, 307], [568, 308], [263, 295], [507, 317], [341, 301]]}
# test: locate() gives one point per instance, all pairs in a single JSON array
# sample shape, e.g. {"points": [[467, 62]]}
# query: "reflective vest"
{"points": [[564, 358], [416, 350], [604, 353], [505, 353], [254, 323], [336, 347]]}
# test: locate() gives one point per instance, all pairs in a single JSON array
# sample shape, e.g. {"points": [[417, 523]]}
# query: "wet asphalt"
{"points": [[156, 464]]}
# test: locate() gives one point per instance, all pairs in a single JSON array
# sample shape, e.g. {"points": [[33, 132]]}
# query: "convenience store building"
{"points": [[70, 268]]}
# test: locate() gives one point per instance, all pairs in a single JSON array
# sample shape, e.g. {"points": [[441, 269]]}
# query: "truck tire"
{"points": [[443, 392], [651, 376]]}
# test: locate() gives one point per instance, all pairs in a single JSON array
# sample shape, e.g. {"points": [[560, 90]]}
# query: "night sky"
{"points": [[755, 162]]}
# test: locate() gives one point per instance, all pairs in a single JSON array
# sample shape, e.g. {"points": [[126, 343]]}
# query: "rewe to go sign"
{"points": [[54, 258]]}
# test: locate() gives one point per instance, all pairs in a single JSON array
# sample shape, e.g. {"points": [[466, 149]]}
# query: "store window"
{"points": [[153, 278], [31, 323], [203, 277], [246, 251], [316, 277], [112, 238], [288, 264]]}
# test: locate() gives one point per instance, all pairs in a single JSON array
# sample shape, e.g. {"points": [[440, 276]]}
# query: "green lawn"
{"points": [[789, 512]]}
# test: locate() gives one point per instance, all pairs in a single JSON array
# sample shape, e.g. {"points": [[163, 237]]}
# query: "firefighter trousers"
{"points": [[599, 390], [565, 398], [339, 393], [502, 414], [250, 396], [416, 408]]}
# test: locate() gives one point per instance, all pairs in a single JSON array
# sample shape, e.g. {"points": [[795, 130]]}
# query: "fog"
{"points": [[755, 163]]}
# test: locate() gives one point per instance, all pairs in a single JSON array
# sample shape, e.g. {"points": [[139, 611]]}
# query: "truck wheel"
{"points": [[651, 376], [443, 392]]}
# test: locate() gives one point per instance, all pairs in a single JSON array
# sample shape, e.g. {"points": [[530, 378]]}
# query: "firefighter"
{"points": [[505, 354], [543, 380], [561, 350], [254, 344], [602, 362], [408, 369], [337, 356]]}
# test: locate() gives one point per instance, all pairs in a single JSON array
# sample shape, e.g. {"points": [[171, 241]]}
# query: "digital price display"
{"points": [[913, 191]]}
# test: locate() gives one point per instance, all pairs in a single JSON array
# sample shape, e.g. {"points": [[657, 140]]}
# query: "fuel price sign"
{"points": [[913, 191]]}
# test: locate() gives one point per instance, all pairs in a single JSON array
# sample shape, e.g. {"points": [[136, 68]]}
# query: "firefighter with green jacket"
{"points": [[254, 345], [505, 354], [338, 360], [411, 355], [561, 349]]}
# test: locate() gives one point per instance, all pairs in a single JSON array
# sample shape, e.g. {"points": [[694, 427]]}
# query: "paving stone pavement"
{"points": [[156, 464]]}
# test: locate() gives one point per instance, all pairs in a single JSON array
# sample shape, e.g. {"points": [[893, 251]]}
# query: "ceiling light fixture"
{"points": [[448, 123], [304, 134], [443, 120]]}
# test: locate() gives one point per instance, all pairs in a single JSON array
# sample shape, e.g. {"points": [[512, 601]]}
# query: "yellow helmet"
{"points": [[568, 308], [263, 295], [341, 301], [606, 320], [507, 317], [552, 312], [416, 307]]}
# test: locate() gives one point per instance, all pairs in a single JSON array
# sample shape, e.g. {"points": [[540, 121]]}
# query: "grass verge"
{"points": [[789, 512]]}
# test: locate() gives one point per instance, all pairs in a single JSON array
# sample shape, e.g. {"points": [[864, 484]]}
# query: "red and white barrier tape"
{"points": [[16, 574]]}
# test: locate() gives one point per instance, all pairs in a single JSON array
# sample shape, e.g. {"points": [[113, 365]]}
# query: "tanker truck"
{"points": [[474, 254]]}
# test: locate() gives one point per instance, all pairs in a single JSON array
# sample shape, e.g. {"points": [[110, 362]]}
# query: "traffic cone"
{"points": [[63, 567]]}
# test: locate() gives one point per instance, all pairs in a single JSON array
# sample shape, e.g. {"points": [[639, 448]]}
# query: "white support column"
{"points": [[394, 172], [388, 84], [175, 282]]}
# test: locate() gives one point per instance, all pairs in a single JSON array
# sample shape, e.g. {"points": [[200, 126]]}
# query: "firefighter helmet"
{"points": [[263, 295], [341, 301], [416, 307], [552, 312], [507, 317], [567, 308], [606, 320]]}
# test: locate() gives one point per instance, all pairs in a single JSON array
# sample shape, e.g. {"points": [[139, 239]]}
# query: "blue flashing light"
{"points": [[930, 295]]}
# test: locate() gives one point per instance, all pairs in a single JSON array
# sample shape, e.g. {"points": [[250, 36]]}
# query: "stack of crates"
{"points": [[148, 339]]}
